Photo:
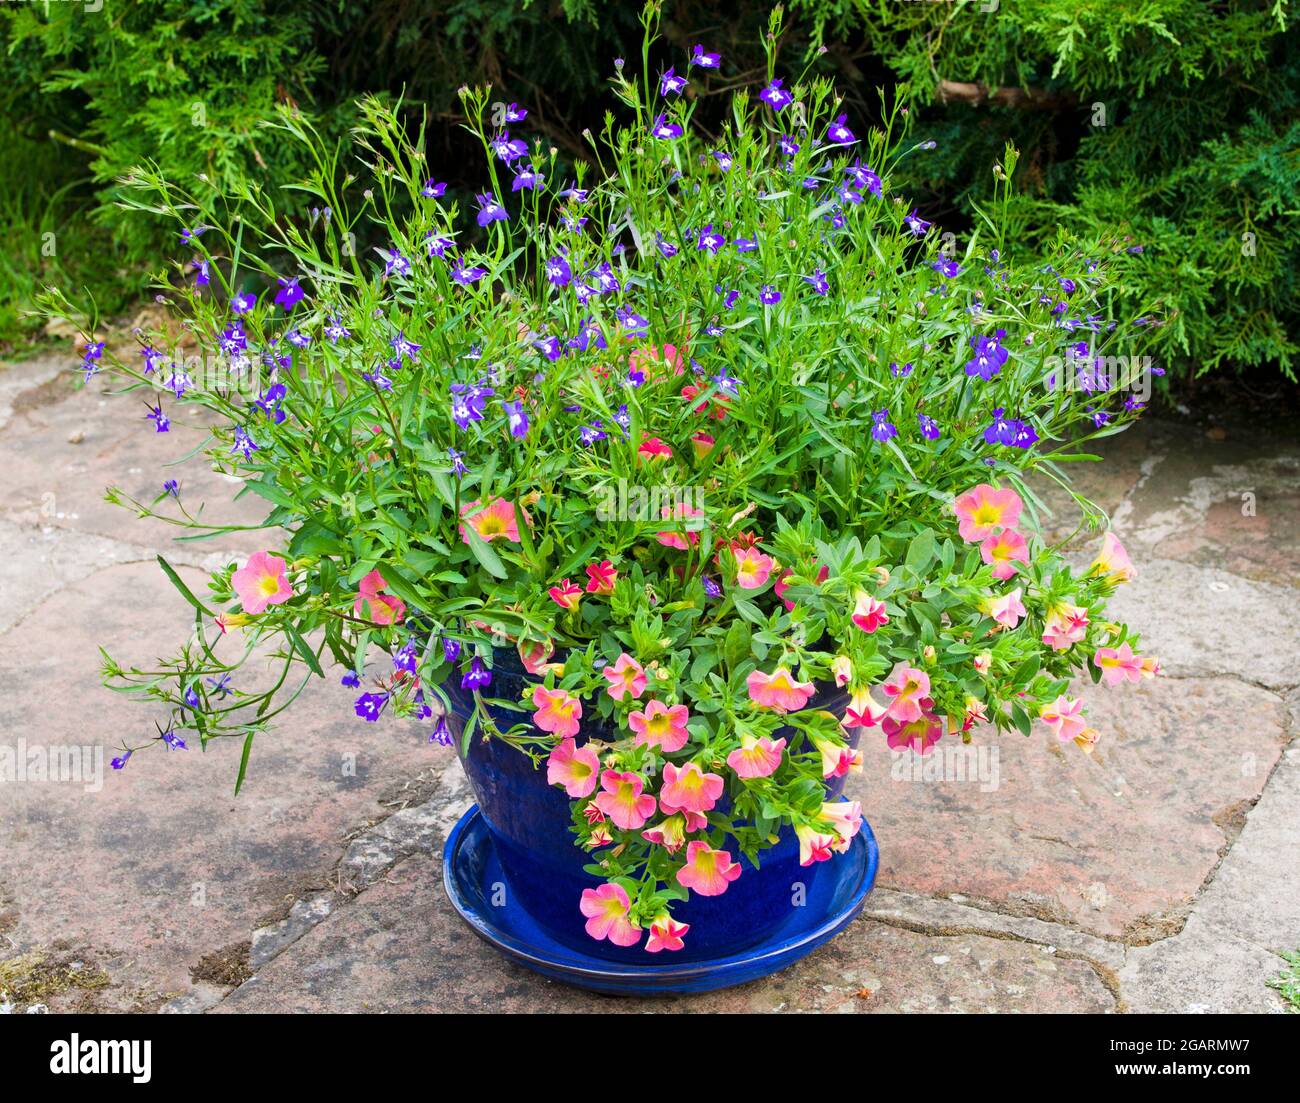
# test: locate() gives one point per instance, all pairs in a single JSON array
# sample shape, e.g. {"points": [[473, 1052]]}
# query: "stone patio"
{"points": [[1161, 874]]}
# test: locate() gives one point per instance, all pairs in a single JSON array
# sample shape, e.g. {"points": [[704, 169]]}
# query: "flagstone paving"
{"points": [[1160, 874]]}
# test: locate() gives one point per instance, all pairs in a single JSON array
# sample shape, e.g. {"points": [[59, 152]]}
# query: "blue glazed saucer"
{"points": [[472, 874]]}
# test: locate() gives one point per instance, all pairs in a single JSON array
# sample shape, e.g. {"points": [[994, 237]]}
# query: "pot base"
{"points": [[478, 890]]}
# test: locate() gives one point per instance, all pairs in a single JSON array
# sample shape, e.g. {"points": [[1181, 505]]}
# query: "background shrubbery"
{"points": [[1176, 120]]}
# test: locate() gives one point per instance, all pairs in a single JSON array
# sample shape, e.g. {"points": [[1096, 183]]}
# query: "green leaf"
{"points": [[483, 552], [243, 761], [920, 552], [184, 590], [304, 650]]}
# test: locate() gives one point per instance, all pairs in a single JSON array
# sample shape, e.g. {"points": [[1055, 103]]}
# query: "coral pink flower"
{"points": [[779, 690], [566, 595], [1003, 551], [707, 871], [702, 443], [670, 834], [863, 711], [382, 608], [1118, 664], [690, 788], [814, 845], [601, 577], [718, 403], [534, 654], [842, 668], [1065, 625], [652, 448], [1150, 666], [781, 585], [606, 909], [983, 661], [695, 821], [494, 521], [920, 734], [660, 726], [622, 800], [261, 582], [846, 819], [869, 614], [983, 510], [906, 687], [576, 768], [1113, 560], [626, 678], [600, 836], [1065, 717], [756, 757], [665, 934], [649, 361], [1007, 609], [837, 759], [753, 568], [673, 540], [557, 712]]}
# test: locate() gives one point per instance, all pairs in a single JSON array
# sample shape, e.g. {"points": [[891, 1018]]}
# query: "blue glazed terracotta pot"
{"points": [[530, 825]]}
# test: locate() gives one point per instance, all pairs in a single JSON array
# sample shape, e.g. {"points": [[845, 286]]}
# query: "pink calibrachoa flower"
{"points": [[601, 577], [707, 871], [781, 585], [982, 662], [1003, 550], [606, 909], [846, 819], [672, 539], [1065, 717], [577, 769], [842, 668], [670, 833], [837, 758], [652, 448], [869, 613], [753, 568], [622, 800], [649, 360], [695, 821], [591, 813], [906, 687], [702, 443], [690, 788], [495, 521], [1150, 666], [863, 711], [660, 726], [557, 712], [920, 734], [534, 654], [1065, 625], [600, 836], [1086, 740], [626, 678], [814, 845], [1007, 609], [1118, 664], [261, 582], [756, 757], [984, 509], [383, 608], [566, 595], [665, 934], [977, 712], [779, 690], [1113, 560]]}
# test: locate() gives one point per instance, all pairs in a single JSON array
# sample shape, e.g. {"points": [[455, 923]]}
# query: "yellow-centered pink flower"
{"points": [[623, 801], [779, 690], [707, 871], [985, 509], [261, 582], [606, 909], [626, 678], [576, 768], [660, 726], [557, 712]]}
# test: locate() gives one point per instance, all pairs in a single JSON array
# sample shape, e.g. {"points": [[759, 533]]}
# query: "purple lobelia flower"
{"points": [[989, 356], [172, 741], [477, 676], [666, 248], [724, 159], [527, 177], [515, 113], [1001, 430], [705, 60], [864, 177], [450, 649], [489, 209], [768, 295], [710, 240], [160, 420], [395, 264], [664, 130], [153, 359], [406, 658], [403, 346], [243, 301], [839, 132], [787, 145], [467, 403], [172, 487], [465, 275], [916, 223], [437, 245], [818, 282], [516, 418], [202, 274], [929, 427], [220, 686], [710, 587], [119, 763], [290, 293], [670, 84], [351, 679], [558, 272], [457, 462], [589, 434], [244, 445], [900, 372], [775, 96], [441, 733], [881, 428], [370, 706], [433, 189], [947, 267]]}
